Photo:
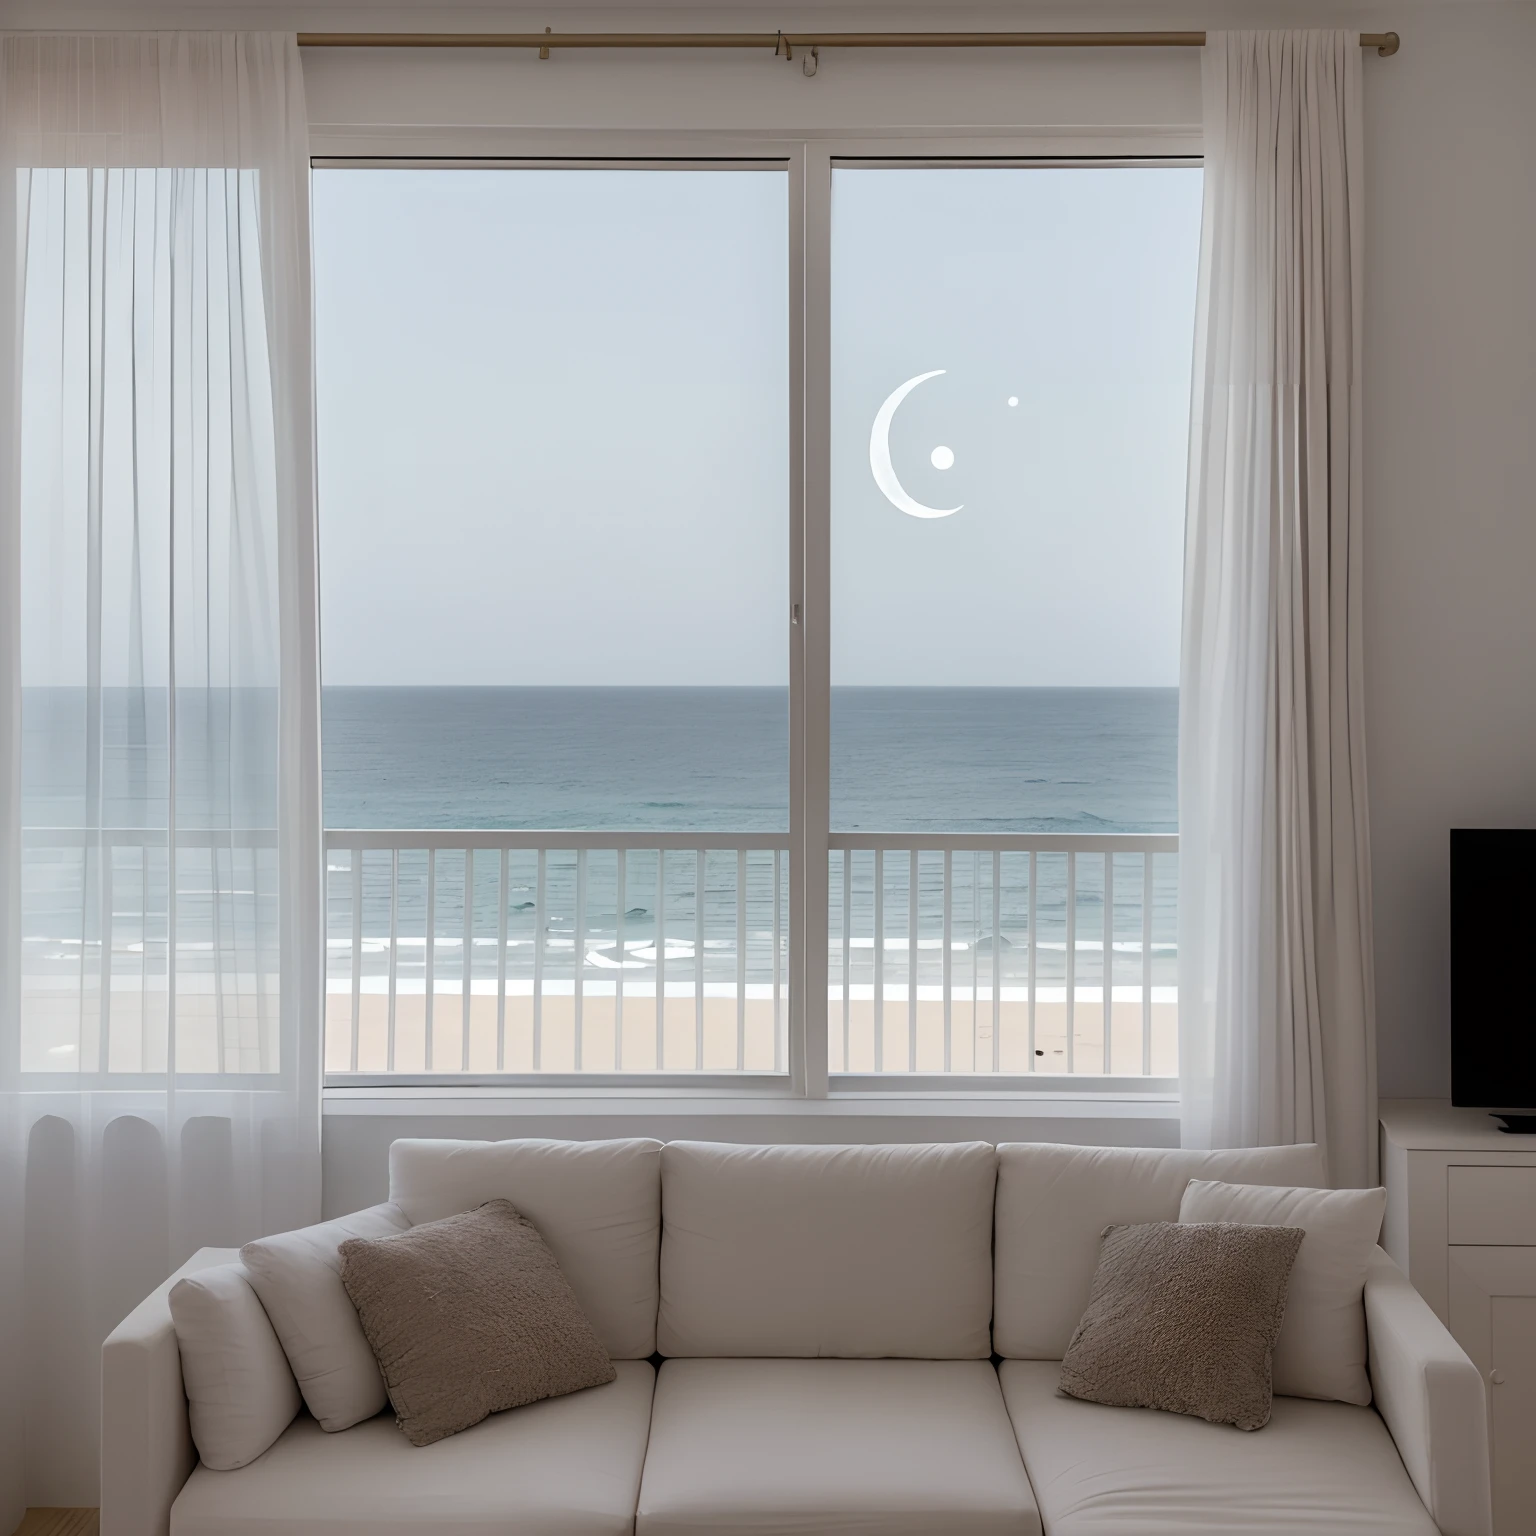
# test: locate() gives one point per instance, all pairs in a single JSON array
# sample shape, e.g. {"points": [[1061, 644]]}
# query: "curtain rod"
{"points": [[782, 43]]}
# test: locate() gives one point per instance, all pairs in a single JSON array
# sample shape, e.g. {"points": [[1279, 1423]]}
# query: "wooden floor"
{"points": [[59, 1522]]}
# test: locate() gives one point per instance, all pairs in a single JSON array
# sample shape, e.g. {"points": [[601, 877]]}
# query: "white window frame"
{"points": [[808, 161]]}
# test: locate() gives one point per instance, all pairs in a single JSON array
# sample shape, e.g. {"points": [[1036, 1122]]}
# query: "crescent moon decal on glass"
{"points": [[880, 465]]}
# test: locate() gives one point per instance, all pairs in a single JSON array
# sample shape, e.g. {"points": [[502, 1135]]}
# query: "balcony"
{"points": [[960, 957], [480, 954]]}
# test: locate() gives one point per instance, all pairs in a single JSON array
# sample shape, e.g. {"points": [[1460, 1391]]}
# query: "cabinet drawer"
{"points": [[1493, 1206]]}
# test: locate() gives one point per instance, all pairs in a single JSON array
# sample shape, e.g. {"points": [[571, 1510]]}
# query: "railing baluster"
{"points": [[469, 955], [540, 886], [579, 963], [912, 964], [997, 960], [228, 1040], [1146, 964], [143, 957], [847, 953], [879, 960], [105, 928], [394, 955], [975, 960], [501, 964], [741, 960], [778, 969], [661, 957], [947, 963], [1071, 960], [357, 951], [620, 882], [1108, 968], [1034, 928], [429, 958], [698, 962]]}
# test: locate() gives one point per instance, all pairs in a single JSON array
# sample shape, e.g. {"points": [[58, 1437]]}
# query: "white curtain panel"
{"points": [[1276, 992], [159, 736]]}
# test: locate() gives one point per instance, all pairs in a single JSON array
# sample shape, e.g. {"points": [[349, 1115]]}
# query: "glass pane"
{"points": [[1011, 376], [553, 422], [554, 492]]}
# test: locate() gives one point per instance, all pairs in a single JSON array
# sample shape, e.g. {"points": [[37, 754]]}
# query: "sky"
{"points": [[553, 425]]}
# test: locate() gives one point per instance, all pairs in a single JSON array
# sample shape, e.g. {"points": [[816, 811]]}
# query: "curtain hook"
{"points": [[544, 51], [809, 61], [783, 46]]}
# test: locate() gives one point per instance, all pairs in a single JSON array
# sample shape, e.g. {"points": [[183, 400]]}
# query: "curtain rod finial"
{"points": [[1390, 46]]}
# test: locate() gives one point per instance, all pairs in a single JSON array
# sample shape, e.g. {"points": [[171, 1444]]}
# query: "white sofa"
{"points": [[851, 1339]]}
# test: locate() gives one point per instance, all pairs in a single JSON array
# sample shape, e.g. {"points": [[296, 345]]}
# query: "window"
{"points": [[570, 674]]}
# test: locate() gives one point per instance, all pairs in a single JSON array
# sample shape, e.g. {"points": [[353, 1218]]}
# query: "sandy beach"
{"points": [[732, 1036]]}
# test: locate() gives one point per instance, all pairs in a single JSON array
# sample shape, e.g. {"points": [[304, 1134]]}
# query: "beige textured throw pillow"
{"points": [[1321, 1348], [1184, 1317], [468, 1316]]}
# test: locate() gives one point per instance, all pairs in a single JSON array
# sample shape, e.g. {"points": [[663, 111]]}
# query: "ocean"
{"points": [[716, 759]]}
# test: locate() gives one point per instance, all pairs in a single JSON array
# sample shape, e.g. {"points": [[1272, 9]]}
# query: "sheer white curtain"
{"points": [[1276, 1034], [159, 735]]}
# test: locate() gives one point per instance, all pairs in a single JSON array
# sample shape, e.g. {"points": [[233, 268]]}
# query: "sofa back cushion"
{"points": [[241, 1394], [1053, 1203], [853, 1252], [596, 1203], [297, 1275]]}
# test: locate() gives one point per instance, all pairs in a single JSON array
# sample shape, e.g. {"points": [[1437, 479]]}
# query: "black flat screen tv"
{"points": [[1493, 955]]}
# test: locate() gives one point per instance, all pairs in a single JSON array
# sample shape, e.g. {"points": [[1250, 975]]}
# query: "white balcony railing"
{"points": [[492, 952], [512, 952], [102, 937], [1014, 954], [501, 953]]}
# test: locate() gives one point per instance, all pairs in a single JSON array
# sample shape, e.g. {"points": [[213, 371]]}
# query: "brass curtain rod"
{"points": [[784, 43]]}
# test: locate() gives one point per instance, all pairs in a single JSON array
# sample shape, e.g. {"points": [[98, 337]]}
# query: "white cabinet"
{"points": [[1493, 1315], [1461, 1219]]}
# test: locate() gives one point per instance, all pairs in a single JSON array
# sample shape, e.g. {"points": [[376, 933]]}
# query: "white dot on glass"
{"points": [[942, 457], [1013, 399]]}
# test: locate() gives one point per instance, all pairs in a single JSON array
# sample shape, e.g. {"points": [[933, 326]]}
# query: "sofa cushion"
{"points": [[298, 1277], [241, 1395], [877, 1447], [596, 1203], [1329, 1469], [567, 1465], [1053, 1202], [1321, 1350], [843, 1251]]}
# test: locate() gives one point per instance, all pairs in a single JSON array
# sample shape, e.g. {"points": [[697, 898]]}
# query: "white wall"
{"points": [[1450, 399], [1450, 382]]}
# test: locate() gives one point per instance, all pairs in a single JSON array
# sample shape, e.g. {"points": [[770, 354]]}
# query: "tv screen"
{"points": [[1493, 944]]}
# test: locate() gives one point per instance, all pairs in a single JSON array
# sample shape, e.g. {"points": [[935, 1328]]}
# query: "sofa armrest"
{"points": [[1433, 1401], [146, 1443]]}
